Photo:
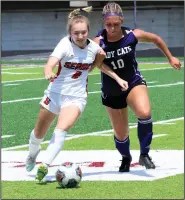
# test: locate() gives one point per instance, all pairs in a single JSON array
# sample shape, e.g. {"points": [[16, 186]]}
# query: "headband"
{"points": [[112, 14]]}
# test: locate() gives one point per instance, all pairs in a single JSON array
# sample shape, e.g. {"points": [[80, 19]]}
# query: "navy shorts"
{"points": [[119, 102]]}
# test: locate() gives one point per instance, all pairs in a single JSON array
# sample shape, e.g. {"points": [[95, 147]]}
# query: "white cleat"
{"points": [[31, 162]]}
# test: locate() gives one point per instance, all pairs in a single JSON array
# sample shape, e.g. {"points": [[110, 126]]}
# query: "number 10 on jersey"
{"points": [[120, 64]]}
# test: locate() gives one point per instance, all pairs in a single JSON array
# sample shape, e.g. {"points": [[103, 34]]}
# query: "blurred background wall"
{"points": [[37, 26]]}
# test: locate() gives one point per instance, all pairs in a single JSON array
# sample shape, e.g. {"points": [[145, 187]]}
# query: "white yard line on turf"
{"points": [[151, 86], [27, 66], [12, 68], [6, 136], [95, 92], [147, 82], [11, 84], [21, 100], [34, 79], [166, 85], [110, 134], [99, 133], [18, 73], [157, 68], [4, 68]]}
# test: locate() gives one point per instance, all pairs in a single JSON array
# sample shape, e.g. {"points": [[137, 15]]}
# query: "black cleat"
{"points": [[146, 161], [125, 164]]}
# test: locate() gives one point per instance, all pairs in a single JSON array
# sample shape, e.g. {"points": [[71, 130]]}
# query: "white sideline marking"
{"points": [[150, 86], [147, 82], [167, 123], [101, 133], [7, 136], [94, 133], [12, 68], [34, 79], [35, 66], [20, 100], [13, 165], [166, 85], [157, 68], [11, 84], [95, 92], [18, 73], [110, 134], [89, 74], [159, 135]]}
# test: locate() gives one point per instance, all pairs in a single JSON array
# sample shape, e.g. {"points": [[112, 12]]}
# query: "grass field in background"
{"points": [[43, 60], [166, 90], [28, 73]]}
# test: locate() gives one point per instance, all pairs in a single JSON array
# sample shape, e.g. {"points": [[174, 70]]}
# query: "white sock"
{"points": [[34, 144], [55, 145]]}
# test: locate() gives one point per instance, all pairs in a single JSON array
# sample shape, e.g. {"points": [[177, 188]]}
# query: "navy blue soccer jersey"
{"points": [[120, 57]]}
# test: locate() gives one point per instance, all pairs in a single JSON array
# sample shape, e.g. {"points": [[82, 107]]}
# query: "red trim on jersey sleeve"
{"points": [[58, 72]]}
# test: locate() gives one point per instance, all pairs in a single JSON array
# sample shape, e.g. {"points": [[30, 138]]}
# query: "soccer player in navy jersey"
{"points": [[119, 44]]}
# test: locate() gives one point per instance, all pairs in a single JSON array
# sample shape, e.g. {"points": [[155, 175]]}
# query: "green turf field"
{"points": [[43, 61], [22, 88]]}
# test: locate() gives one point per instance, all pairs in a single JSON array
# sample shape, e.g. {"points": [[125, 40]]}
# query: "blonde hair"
{"points": [[78, 15], [112, 9]]}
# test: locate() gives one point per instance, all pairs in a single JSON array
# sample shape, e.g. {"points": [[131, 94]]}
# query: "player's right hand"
{"points": [[48, 74], [123, 84]]}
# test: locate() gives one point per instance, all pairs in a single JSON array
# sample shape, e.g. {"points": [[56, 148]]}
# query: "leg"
{"points": [[138, 100], [45, 118], [119, 121], [67, 117]]}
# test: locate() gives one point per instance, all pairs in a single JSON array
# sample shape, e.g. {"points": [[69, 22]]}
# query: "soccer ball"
{"points": [[68, 175]]}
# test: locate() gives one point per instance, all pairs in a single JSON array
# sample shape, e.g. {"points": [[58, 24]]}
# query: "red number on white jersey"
{"points": [[76, 74]]}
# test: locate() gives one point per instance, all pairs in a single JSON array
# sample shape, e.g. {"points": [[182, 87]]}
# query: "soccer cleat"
{"points": [[31, 161], [41, 172], [125, 164], [146, 161]]}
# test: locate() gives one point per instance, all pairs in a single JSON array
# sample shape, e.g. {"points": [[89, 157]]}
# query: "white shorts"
{"points": [[55, 101]]}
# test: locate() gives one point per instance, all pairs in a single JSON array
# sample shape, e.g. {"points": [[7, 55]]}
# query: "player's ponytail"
{"points": [[78, 15], [80, 11]]}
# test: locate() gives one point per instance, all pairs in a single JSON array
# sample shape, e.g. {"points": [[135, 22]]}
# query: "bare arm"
{"points": [[48, 69], [99, 57], [143, 36], [107, 70]]}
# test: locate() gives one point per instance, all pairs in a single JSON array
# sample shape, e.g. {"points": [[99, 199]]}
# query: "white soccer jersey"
{"points": [[74, 64]]}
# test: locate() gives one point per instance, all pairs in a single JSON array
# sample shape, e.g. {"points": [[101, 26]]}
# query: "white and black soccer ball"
{"points": [[68, 175]]}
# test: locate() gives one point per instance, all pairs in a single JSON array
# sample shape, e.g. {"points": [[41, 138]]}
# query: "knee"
{"points": [[144, 114]]}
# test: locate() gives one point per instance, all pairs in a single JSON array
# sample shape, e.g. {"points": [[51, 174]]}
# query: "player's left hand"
{"points": [[123, 84], [175, 63]]}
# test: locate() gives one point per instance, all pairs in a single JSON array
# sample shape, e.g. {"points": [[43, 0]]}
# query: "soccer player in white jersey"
{"points": [[66, 94]]}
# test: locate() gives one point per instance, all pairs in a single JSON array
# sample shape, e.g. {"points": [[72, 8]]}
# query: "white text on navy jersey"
{"points": [[119, 52]]}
